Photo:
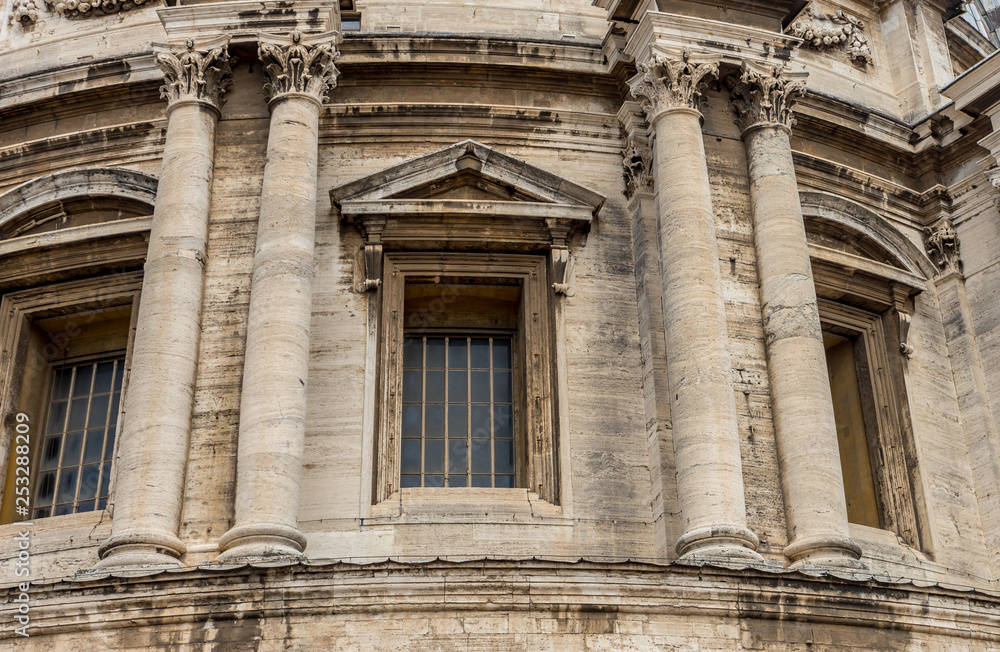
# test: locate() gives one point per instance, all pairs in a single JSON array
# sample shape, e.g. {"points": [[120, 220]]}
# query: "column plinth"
{"points": [[276, 367], [802, 405], [156, 424], [699, 370]]}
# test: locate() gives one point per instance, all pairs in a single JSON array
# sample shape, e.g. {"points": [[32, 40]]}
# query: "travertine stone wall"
{"points": [[684, 243]]}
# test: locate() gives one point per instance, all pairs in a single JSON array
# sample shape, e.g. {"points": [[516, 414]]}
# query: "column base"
{"points": [[719, 543], [824, 552], [141, 549], [261, 541]]}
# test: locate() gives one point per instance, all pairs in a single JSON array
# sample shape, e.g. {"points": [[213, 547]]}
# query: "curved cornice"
{"points": [[855, 217], [79, 182]]}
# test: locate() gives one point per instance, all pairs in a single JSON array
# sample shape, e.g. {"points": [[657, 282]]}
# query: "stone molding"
{"points": [[765, 97], [666, 82], [941, 244], [296, 64], [191, 74], [824, 31]]}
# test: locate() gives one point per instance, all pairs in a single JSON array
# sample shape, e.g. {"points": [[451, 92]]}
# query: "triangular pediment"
{"points": [[470, 171]]}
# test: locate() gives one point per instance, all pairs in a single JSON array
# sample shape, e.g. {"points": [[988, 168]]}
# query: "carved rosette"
{"points": [[294, 65], [837, 30], [24, 13], [941, 244], [190, 74], [765, 98], [667, 83], [637, 168]]}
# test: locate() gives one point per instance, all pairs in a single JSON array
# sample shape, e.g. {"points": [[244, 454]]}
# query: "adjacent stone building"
{"points": [[499, 325]]}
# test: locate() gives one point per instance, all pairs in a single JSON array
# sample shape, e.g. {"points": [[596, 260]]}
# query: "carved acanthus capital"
{"points": [[941, 244], [295, 64], [24, 13], [192, 74], [667, 82], [824, 31], [637, 167], [765, 97]]}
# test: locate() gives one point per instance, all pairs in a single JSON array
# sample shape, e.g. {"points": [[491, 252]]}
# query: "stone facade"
{"points": [[676, 213]]}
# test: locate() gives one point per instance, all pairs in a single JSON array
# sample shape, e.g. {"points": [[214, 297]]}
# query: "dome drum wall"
{"points": [[661, 212]]}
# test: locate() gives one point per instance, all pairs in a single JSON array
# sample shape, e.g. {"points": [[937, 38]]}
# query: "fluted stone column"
{"points": [[703, 406], [809, 458], [273, 404], [157, 419]]}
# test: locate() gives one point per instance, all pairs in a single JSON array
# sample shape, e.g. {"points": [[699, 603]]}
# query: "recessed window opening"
{"points": [[460, 382], [854, 410]]}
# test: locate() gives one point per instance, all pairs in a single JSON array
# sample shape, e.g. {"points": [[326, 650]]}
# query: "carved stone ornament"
{"points": [[666, 83], [941, 244], [81, 8], [192, 74], [824, 31], [993, 174], [637, 168], [765, 97], [295, 65], [24, 13]]}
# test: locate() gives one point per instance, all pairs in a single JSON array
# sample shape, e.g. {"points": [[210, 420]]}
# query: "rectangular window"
{"points": [[869, 406], [458, 411], [67, 376], [465, 376], [74, 465]]}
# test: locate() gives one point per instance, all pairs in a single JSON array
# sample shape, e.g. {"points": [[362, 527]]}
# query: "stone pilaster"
{"points": [[703, 407], [157, 418], [273, 403], [809, 458]]}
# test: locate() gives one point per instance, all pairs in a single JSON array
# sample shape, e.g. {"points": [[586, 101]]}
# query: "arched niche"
{"points": [[75, 198]]}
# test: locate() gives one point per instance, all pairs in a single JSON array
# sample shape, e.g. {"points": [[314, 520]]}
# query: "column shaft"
{"points": [[273, 404], [152, 457], [802, 405], [276, 367], [703, 407]]}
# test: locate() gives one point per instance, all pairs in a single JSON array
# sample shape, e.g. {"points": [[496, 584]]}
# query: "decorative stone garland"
{"points": [[81, 8], [822, 31], [24, 13]]}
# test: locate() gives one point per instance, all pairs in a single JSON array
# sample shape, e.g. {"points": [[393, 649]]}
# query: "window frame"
{"points": [[535, 440], [18, 310], [888, 446]]}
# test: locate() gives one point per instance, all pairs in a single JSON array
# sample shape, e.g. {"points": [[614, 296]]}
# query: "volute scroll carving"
{"points": [[295, 64], [666, 82], [766, 97], [193, 74]]}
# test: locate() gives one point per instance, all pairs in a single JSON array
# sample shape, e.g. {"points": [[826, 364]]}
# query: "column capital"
{"points": [[637, 153], [195, 74], [667, 82], [764, 96], [297, 65]]}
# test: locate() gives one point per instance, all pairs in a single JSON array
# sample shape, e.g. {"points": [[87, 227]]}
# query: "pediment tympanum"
{"points": [[467, 195]]}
